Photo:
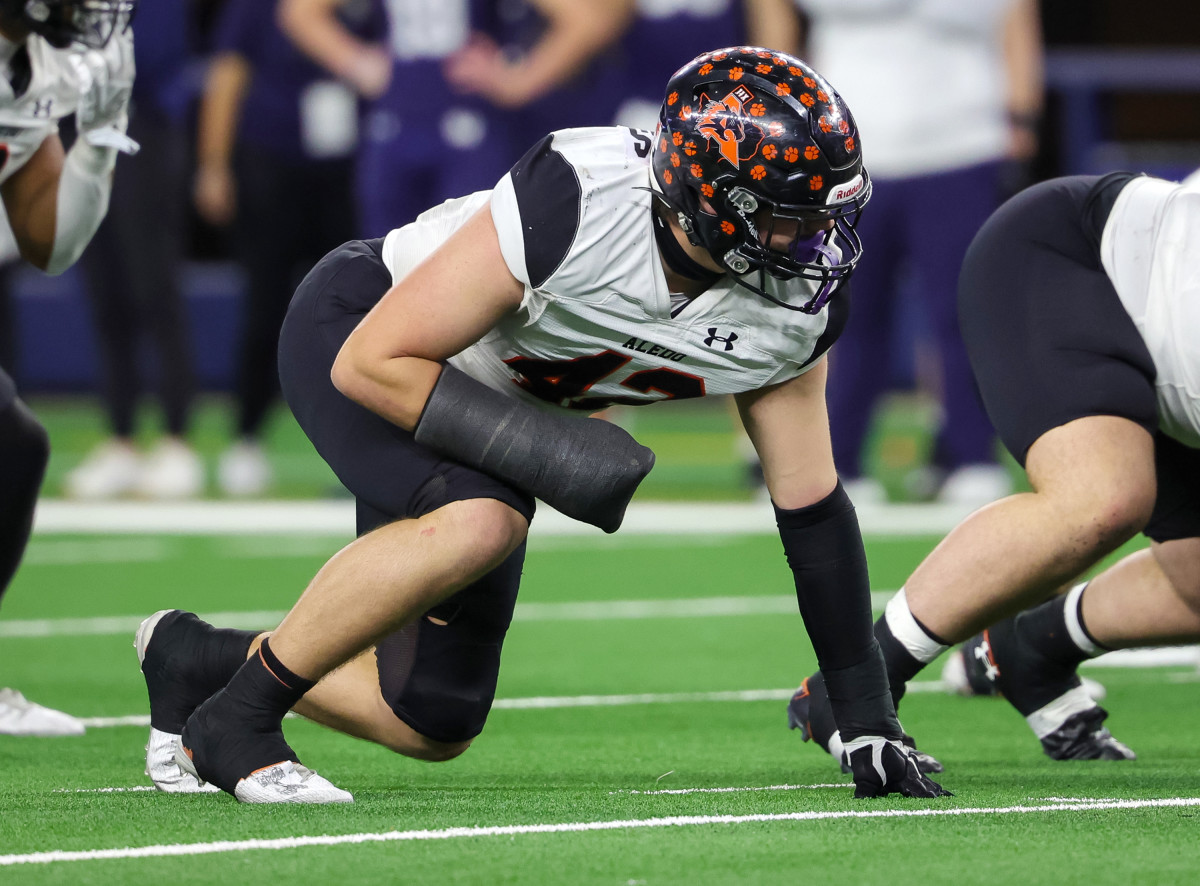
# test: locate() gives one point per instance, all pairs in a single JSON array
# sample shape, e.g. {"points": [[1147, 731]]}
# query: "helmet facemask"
{"points": [[91, 23]]}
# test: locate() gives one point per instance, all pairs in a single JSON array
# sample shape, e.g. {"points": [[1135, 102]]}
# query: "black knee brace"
{"points": [[439, 673]]}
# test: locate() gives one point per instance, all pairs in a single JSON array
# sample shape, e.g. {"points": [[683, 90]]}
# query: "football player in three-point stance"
{"points": [[56, 57], [437, 370], [1080, 309]]}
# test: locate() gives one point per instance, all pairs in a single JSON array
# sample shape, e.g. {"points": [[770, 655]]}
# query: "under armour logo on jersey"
{"points": [[726, 340], [41, 107]]}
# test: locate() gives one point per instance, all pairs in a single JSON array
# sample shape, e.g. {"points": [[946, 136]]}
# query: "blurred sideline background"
{"points": [[1122, 91]]}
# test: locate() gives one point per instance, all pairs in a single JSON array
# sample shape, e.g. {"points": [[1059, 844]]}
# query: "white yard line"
{"points": [[282, 843], [337, 518], [694, 607], [773, 787]]}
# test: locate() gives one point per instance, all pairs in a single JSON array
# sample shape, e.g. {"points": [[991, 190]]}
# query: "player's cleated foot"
{"points": [[253, 765], [1052, 698], [161, 642], [927, 763], [967, 675], [165, 772], [810, 712], [20, 716], [882, 767], [289, 782], [1072, 728]]}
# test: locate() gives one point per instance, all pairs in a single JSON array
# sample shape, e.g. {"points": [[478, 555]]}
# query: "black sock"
{"points": [[901, 664], [265, 689], [186, 663], [1044, 629], [220, 655]]}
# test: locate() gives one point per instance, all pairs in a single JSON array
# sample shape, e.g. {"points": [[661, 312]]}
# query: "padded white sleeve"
{"points": [[83, 191]]}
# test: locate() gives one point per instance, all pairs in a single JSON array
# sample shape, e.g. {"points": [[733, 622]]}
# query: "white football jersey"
{"points": [[27, 120], [595, 326], [1150, 250]]}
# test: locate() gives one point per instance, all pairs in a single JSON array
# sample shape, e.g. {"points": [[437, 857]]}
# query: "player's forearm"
{"points": [[315, 29], [576, 33], [824, 549], [220, 109], [396, 388], [773, 23]]}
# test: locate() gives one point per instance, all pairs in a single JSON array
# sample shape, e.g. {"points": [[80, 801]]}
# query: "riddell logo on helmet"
{"points": [[845, 192], [725, 123]]}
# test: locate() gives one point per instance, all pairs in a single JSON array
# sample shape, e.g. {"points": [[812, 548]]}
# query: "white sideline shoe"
{"points": [[975, 485], [166, 773], [865, 491], [172, 470], [243, 470], [19, 716], [110, 470]]}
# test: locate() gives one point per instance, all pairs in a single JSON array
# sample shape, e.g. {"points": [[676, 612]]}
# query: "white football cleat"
{"points": [[166, 773], [19, 716], [286, 782], [289, 782]]}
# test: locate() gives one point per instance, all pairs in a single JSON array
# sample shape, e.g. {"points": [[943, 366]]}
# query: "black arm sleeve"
{"points": [[825, 551]]}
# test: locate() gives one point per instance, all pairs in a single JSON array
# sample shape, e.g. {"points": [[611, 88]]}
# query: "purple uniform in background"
{"points": [[423, 143], [590, 98], [665, 35], [288, 107]]}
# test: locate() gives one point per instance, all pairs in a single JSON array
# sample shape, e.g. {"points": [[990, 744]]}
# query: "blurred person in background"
{"points": [[667, 34], [275, 142], [448, 114], [132, 272], [975, 69], [76, 58], [422, 141], [555, 64]]}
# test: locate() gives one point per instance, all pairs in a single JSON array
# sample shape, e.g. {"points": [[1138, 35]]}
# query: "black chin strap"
{"points": [[676, 257]]}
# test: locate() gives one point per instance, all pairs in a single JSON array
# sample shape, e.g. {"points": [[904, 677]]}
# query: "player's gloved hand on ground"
{"points": [[105, 81], [883, 766]]}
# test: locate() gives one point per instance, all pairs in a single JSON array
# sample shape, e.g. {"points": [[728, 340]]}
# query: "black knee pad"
{"points": [[439, 678]]}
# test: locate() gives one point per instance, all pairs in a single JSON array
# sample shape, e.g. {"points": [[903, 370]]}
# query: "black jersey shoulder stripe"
{"points": [[549, 199], [837, 311]]}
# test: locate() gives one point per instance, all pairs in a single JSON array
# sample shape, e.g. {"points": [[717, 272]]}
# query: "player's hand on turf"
{"points": [[883, 766], [105, 81]]}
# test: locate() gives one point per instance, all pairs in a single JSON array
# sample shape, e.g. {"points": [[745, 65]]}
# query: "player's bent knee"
{"points": [[496, 529]]}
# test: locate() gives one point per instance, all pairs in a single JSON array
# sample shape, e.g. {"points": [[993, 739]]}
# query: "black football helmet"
{"points": [[63, 22], [748, 137]]}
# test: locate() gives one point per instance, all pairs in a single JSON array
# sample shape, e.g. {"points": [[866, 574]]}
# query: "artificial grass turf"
{"points": [[576, 765]]}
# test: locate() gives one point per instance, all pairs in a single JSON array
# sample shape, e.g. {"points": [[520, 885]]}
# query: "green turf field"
{"points": [[631, 743]]}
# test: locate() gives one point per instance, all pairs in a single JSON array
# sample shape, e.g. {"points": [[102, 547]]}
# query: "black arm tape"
{"points": [[824, 549], [586, 468]]}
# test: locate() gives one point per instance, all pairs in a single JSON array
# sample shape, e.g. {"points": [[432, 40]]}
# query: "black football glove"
{"points": [[884, 766]]}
